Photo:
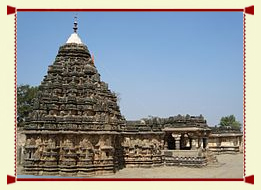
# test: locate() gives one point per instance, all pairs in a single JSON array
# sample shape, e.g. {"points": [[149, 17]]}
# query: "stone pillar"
{"points": [[177, 141], [197, 142], [188, 143], [200, 142], [165, 145], [193, 144]]}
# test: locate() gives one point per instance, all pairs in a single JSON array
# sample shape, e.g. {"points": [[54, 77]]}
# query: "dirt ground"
{"points": [[230, 166]]}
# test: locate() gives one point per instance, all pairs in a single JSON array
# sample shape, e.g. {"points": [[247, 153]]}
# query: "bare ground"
{"points": [[230, 166]]}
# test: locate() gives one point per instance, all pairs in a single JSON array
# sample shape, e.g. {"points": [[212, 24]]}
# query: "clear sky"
{"points": [[161, 63]]}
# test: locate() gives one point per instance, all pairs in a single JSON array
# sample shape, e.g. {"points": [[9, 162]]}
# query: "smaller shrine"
{"points": [[178, 141], [225, 140]]}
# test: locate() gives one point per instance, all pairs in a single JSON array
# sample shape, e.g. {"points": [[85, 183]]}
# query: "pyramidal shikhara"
{"points": [[75, 121]]}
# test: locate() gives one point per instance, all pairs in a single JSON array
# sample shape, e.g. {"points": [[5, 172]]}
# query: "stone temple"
{"points": [[76, 127]]}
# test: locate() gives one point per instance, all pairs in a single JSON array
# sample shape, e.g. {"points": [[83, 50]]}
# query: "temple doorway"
{"points": [[204, 142], [170, 142]]}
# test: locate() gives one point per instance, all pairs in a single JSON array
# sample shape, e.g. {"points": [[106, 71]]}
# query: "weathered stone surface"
{"points": [[225, 140], [72, 98]]}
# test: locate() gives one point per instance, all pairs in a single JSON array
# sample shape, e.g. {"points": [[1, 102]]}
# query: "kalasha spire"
{"points": [[75, 24], [74, 38]]}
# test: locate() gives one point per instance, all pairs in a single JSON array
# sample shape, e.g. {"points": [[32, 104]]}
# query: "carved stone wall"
{"points": [[68, 154], [74, 125], [142, 150], [226, 143]]}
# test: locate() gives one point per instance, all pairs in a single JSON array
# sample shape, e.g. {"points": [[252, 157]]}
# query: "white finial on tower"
{"points": [[74, 38], [75, 24]]}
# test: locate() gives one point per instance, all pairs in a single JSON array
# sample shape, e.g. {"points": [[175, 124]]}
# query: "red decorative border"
{"points": [[130, 179], [249, 10], [246, 10], [15, 89], [131, 10], [10, 10], [249, 179], [244, 91]]}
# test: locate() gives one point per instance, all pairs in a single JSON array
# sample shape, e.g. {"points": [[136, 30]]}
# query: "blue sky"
{"points": [[161, 63]]}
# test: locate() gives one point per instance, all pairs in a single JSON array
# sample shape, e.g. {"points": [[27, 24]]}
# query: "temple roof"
{"points": [[187, 129], [227, 135]]}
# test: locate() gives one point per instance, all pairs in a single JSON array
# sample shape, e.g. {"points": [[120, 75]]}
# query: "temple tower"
{"points": [[75, 124]]}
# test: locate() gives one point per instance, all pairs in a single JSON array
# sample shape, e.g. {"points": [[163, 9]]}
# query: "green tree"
{"points": [[229, 121], [25, 96]]}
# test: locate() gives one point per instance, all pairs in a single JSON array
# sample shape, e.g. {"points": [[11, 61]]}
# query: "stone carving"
{"points": [[142, 152]]}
